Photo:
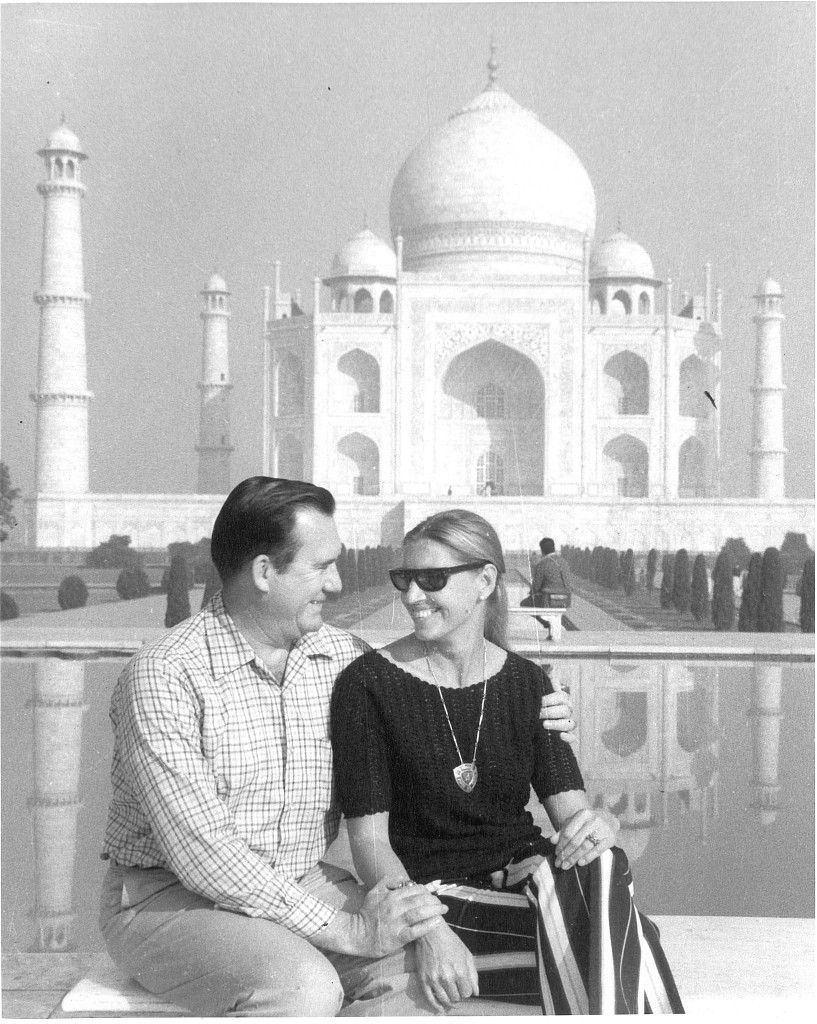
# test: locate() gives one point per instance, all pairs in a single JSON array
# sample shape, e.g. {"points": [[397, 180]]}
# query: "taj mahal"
{"points": [[495, 355]]}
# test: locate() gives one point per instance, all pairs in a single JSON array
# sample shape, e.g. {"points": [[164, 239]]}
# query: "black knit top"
{"points": [[394, 752]]}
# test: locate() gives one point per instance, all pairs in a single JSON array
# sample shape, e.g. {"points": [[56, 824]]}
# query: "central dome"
{"points": [[492, 179]]}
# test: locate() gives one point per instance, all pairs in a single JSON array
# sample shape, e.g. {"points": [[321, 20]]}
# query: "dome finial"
{"points": [[365, 219], [62, 117], [618, 223], [493, 67]]}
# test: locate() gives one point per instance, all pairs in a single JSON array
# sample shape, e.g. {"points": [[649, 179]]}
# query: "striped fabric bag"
{"points": [[571, 941]]}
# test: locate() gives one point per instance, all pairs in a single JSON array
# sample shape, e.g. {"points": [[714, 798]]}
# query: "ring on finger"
{"points": [[594, 839]]}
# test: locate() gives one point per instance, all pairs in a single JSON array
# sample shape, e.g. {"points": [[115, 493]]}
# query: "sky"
{"points": [[226, 136]]}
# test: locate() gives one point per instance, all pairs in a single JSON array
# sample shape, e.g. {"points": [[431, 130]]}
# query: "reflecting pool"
{"points": [[709, 767]]}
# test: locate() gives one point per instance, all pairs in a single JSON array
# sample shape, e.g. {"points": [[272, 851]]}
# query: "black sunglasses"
{"points": [[429, 580]]}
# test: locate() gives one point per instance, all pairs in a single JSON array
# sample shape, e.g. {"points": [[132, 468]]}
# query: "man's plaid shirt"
{"points": [[224, 776]]}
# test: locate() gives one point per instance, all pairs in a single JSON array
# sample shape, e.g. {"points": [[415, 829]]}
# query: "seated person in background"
{"points": [[550, 587]]}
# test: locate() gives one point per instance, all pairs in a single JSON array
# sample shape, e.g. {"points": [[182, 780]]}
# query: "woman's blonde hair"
{"points": [[473, 539]]}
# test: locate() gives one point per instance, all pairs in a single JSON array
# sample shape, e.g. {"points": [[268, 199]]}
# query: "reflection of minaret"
{"points": [[58, 707], [765, 717], [214, 425]]}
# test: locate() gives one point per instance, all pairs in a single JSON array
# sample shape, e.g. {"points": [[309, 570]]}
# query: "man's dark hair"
{"points": [[546, 546], [258, 518]]}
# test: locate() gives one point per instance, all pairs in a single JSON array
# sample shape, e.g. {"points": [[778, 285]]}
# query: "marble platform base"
{"points": [[723, 966]]}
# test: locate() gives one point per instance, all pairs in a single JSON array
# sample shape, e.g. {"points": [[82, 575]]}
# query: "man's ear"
{"points": [[261, 571]]}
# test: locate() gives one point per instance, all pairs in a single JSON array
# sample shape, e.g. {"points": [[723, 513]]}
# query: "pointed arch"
{"points": [[491, 399], [386, 301], [625, 467], [358, 465], [692, 475], [644, 304], [363, 301], [626, 385], [620, 304], [360, 381]]}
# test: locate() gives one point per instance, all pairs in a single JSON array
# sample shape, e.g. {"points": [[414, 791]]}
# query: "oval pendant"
{"points": [[466, 776]]}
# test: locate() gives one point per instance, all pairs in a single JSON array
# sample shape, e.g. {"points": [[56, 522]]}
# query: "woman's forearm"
{"points": [[372, 853], [562, 806]]}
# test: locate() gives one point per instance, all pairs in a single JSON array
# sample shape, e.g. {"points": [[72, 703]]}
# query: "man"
{"points": [[550, 577], [222, 806]]}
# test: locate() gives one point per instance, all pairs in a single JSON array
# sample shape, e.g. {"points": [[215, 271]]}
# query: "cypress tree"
{"points": [[723, 592], [613, 573], [178, 594], [699, 605], [629, 573], [750, 596], [681, 590], [770, 611], [806, 592], [212, 584], [666, 581], [652, 566], [352, 571], [341, 564], [597, 565]]}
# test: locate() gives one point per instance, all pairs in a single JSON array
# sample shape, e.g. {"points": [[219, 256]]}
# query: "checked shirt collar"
{"points": [[229, 650]]}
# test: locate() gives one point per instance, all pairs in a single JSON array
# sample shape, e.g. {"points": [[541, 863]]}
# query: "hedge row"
{"points": [[360, 568], [761, 604]]}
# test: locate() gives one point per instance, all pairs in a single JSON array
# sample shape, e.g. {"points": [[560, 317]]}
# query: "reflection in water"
{"points": [[648, 731], [649, 746], [765, 717], [57, 708]]}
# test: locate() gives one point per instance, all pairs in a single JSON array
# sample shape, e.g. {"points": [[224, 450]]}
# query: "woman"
{"points": [[437, 741]]}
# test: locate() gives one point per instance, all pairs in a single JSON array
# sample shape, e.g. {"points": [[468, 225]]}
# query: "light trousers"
{"points": [[217, 963]]}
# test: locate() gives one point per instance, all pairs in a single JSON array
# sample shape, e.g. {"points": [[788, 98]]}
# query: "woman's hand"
{"points": [[557, 713], [583, 837], [445, 967]]}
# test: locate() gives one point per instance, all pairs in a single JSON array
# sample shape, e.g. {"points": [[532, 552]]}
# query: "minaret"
{"points": [[768, 453], [62, 394], [214, 426], [58, 704]]}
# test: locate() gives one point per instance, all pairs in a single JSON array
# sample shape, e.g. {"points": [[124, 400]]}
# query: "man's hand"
{"points": [[557, 713], [388, 920], [446, 968]]}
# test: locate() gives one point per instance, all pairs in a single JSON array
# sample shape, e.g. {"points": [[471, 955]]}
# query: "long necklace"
{"points": [[465, 774]]}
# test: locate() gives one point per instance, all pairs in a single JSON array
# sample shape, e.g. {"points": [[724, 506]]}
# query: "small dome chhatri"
{"points": [[216, 283], [63, 139], [769, 287], [365, 255], [619, 256]]}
